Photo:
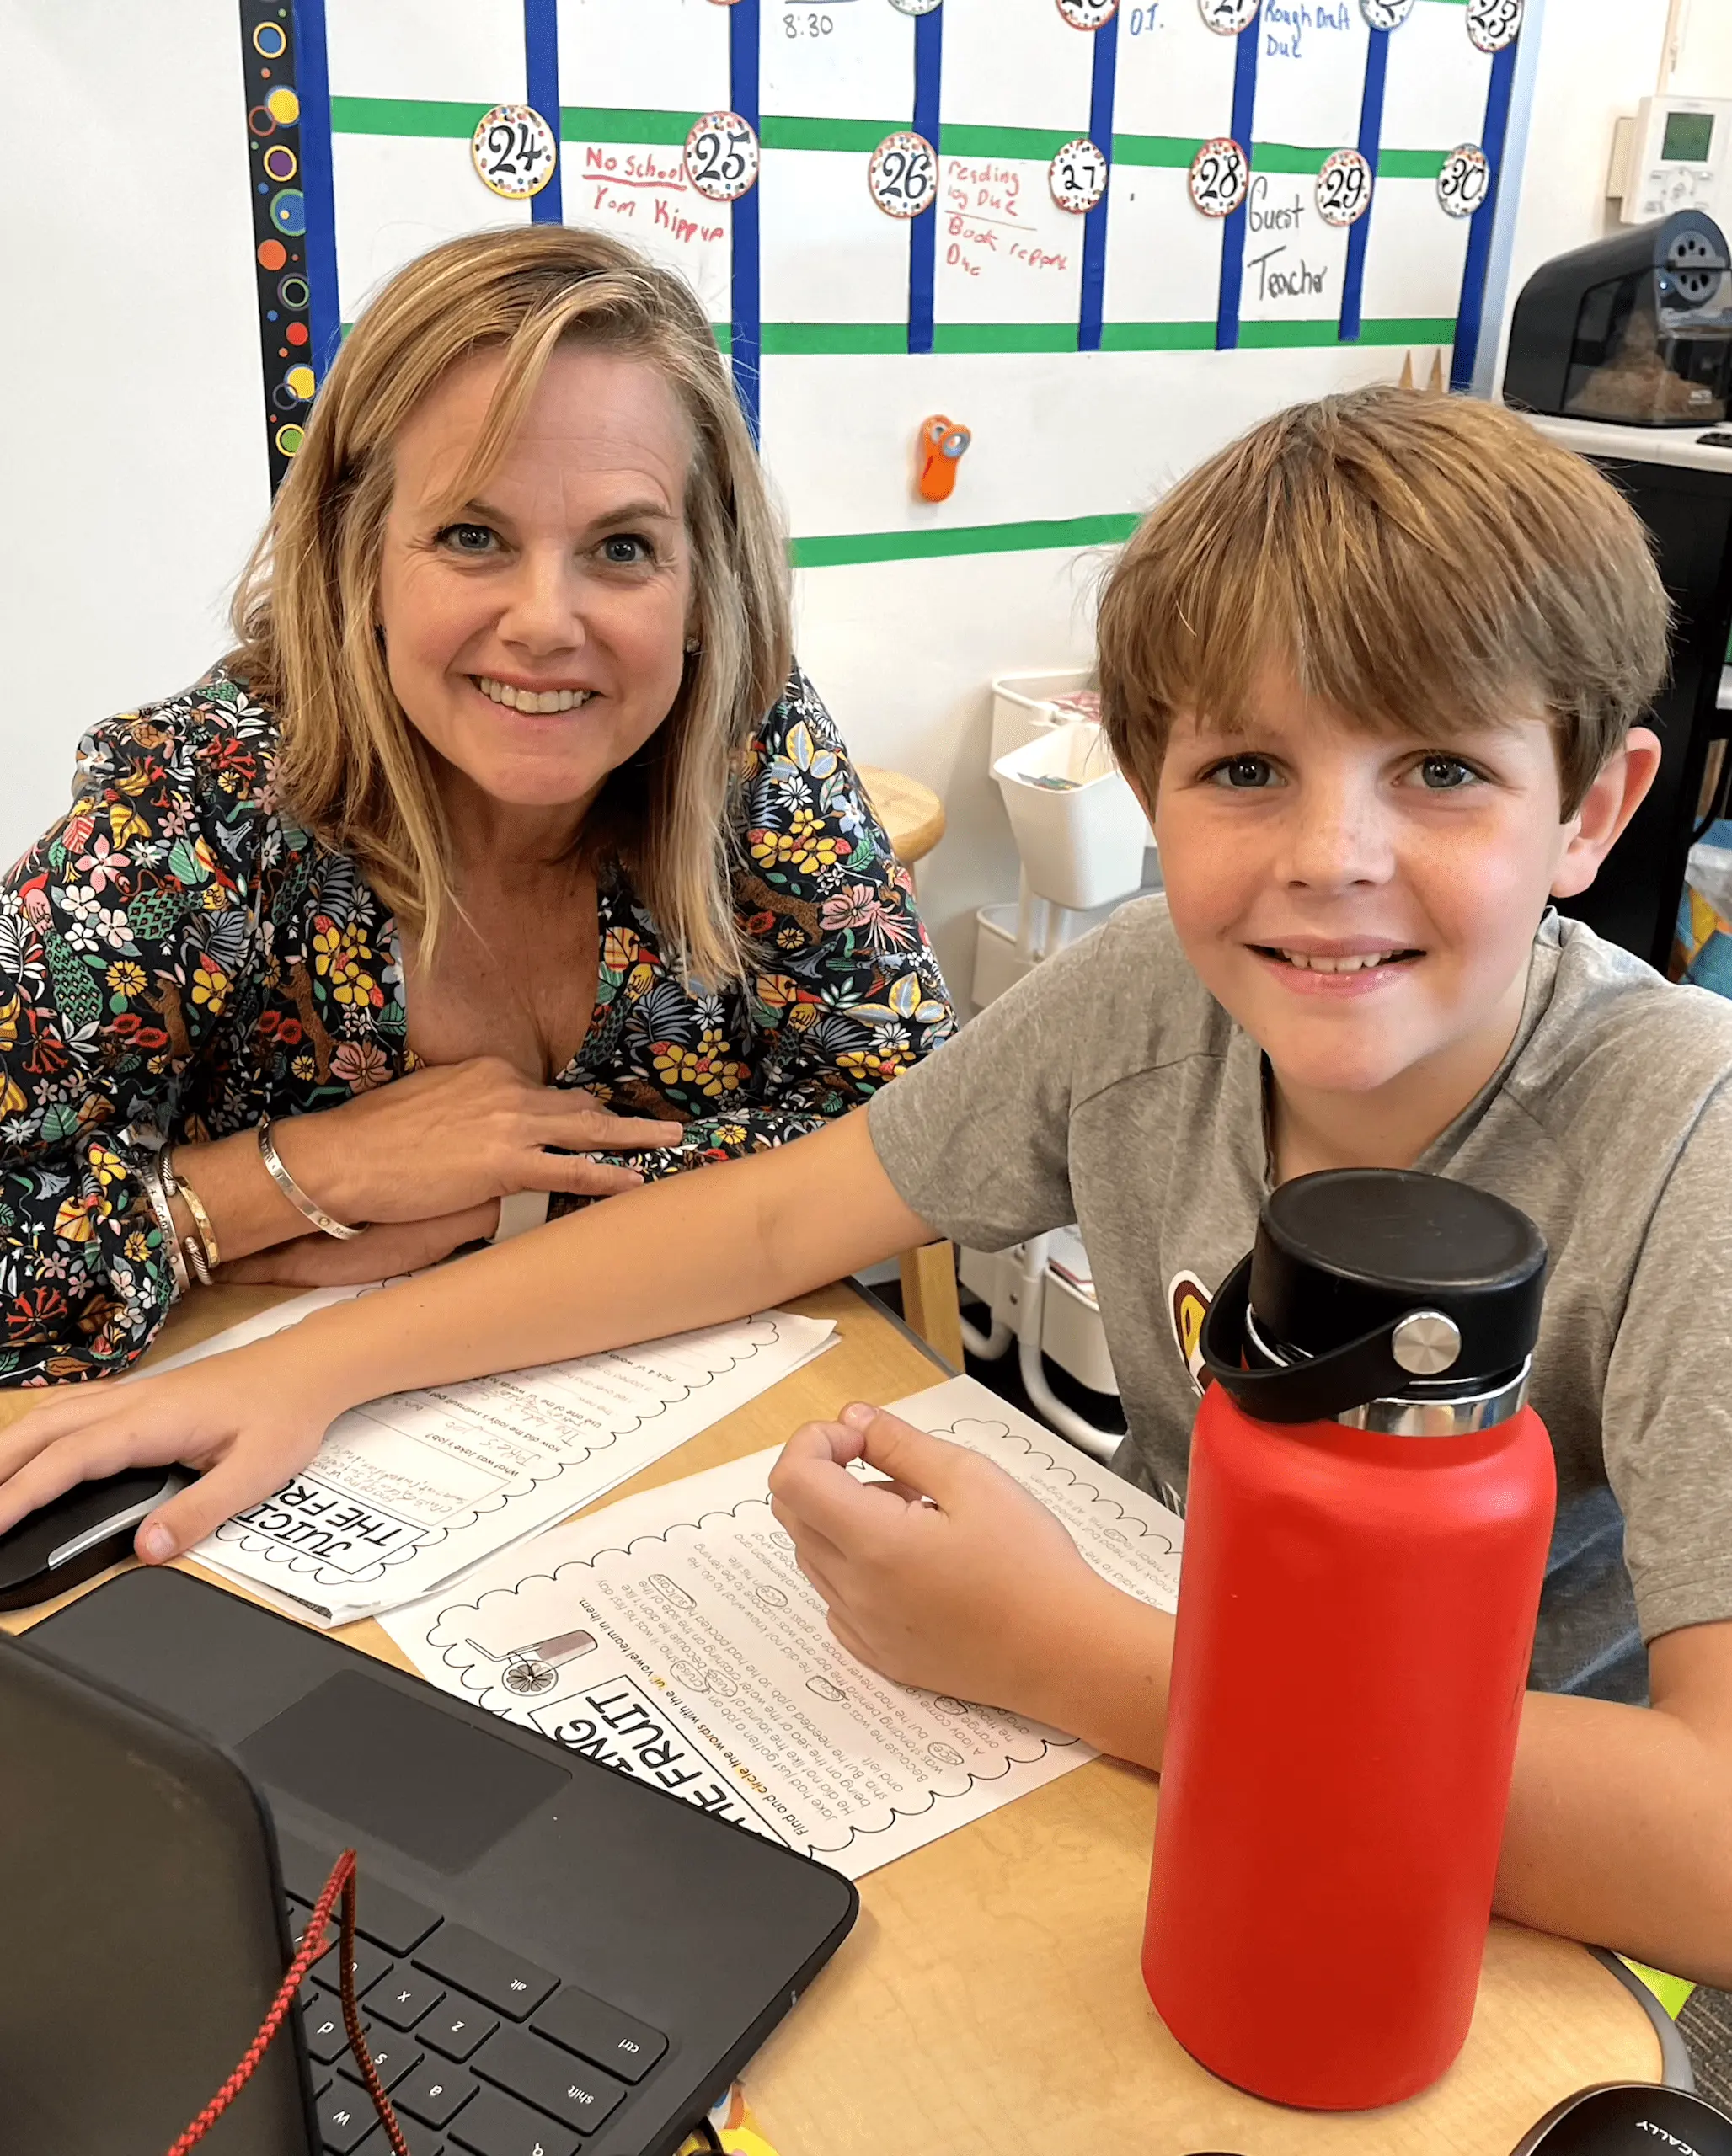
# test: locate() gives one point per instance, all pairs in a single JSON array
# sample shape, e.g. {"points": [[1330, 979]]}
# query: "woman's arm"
{"points": [[120, 934], [847, 992], [689, 1251]]}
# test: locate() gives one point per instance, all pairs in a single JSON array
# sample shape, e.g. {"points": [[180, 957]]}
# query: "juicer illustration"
{"points": [[536, 1668]]}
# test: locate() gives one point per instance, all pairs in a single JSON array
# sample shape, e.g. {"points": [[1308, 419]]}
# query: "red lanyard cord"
{"points": [[312, 1944]]}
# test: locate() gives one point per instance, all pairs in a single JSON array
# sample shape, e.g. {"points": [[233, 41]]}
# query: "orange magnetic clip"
{"points": [[942, 443]]}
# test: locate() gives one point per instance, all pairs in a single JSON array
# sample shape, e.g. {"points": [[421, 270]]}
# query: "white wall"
{"points": [[133, 457], [131, 443]]}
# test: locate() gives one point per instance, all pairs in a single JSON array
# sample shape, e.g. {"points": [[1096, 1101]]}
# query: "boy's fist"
{"points": [[949, 1576]]}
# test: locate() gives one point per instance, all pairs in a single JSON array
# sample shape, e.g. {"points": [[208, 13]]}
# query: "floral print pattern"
{"points": [[179, 957]]}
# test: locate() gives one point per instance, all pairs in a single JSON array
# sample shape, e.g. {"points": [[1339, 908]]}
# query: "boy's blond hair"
{"points": [[1420, 562]]}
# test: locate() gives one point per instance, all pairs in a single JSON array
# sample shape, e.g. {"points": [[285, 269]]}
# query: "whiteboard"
{"points": [[1311, 178]]}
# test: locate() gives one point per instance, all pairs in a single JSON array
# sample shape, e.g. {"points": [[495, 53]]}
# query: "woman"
{"points": [[506, 856]]}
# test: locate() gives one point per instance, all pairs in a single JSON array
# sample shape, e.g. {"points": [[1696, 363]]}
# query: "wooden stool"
{"points": [[913, 819]]}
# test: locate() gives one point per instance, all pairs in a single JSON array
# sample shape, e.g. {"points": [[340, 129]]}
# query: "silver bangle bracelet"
{"points": [[292, 1191], [151, 1175]]}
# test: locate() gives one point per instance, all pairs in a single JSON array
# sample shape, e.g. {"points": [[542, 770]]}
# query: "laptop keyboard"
{"points": [[482, 2051]]}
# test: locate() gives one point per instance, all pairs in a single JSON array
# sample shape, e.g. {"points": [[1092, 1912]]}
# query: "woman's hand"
{"points": [[950, 1576], [446, 1140], [248, 1421], [379, 1254]]}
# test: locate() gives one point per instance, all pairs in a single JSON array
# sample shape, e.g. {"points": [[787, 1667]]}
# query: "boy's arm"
{"points": [[693, 1251], [1619, 1828], [1620, 1823]]}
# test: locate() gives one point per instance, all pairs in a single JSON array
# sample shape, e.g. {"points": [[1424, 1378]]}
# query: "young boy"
{"points": [[1375, 671]]}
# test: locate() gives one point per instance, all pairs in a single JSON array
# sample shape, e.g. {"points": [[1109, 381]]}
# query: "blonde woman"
{"points": [[507, 854]]}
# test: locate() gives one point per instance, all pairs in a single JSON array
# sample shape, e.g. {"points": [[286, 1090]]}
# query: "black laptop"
{"points": [[552, 1960]]}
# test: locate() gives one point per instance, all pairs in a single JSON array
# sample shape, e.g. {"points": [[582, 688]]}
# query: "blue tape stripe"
{"points": [[312, 83], [1470, 313], [1370, 143], [541, 68], [1233, 235], [1094, 225], [747, 304], [924, 230]]}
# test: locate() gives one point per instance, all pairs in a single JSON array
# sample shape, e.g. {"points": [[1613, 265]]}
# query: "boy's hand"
{"points": [[949, 1576]]}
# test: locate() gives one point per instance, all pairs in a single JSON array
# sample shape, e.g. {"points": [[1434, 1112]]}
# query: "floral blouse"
{"points": [[178, 957]]}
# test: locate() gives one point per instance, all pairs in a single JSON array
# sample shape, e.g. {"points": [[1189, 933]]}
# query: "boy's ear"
{"points": [[1606, 807]]}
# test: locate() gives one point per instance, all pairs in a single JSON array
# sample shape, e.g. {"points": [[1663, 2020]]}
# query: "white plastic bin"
{"points": [[1082, 839], [1025, 706]]}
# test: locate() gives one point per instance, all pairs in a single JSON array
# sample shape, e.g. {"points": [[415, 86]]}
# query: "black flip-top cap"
{"points": [[1341, 1253]]}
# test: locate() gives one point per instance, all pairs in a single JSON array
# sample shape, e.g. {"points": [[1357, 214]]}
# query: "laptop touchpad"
{"points": [[372, 1757]]}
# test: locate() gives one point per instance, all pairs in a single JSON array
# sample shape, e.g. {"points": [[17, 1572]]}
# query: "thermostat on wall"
{"points": [[1676, 154]]}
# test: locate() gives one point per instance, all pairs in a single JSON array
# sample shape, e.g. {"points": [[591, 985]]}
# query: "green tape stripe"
{"points": [[1281, 336], [822, 340], [806, 338], [1410, 164], [1410, 329], [1286, 157], [610, 123], [1043, 143], [405, 116], [1004, 337], [1286, 336], [844, 550], [1179, 150], [1157, 336], [859, 136]]}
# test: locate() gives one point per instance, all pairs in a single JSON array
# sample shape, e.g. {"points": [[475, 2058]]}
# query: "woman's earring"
{"points": [[692, 647]]}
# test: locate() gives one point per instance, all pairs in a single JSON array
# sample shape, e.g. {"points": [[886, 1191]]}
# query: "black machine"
{"points": [[554, 1959], [90, 1527], [1636, 328], [1629, 2118], [1617, 349]]}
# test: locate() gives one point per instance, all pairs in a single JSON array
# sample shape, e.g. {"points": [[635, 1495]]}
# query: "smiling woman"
{"points": [[507, 861]]}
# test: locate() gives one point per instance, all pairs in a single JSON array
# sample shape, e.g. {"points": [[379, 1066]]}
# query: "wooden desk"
{"points": [[989, 2004]]}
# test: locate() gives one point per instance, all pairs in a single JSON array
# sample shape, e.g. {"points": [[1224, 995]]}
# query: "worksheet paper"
{"points": [[673, 1638], [408, 1491]]}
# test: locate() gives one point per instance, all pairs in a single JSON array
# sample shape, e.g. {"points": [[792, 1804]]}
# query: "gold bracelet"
{"points": [[200, 1220]]}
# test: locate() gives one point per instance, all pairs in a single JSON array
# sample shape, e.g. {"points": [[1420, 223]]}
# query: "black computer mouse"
{"points": [[1629, 2118], [75, 1535]]}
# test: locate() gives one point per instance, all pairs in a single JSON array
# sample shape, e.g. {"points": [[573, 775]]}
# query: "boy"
{"points": [[1374, 669]]}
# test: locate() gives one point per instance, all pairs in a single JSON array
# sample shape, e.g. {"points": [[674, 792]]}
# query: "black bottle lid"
{"points": [[1369, 1284]]}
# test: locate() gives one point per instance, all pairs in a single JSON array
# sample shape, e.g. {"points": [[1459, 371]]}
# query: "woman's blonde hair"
{"points": [[352, 767], [1420, 562]]}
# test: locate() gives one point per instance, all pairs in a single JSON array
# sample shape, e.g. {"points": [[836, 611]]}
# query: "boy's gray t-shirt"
{"points": [[1109, 1088]]}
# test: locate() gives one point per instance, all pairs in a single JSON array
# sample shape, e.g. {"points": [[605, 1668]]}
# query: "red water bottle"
{"points": [[1369, 1511]]}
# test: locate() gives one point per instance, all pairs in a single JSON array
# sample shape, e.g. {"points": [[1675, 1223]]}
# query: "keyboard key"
{"points": [[568, 2089], [304, 1869], [370, 1963], [457, 2028], [394, 1920], [392, 2056], [497, 2125], [434, 2091], [599, 2032], [322, 2018], [345, 2116], [506, 1981], [402, 1997], [389, 1918], [423, 2140]]}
